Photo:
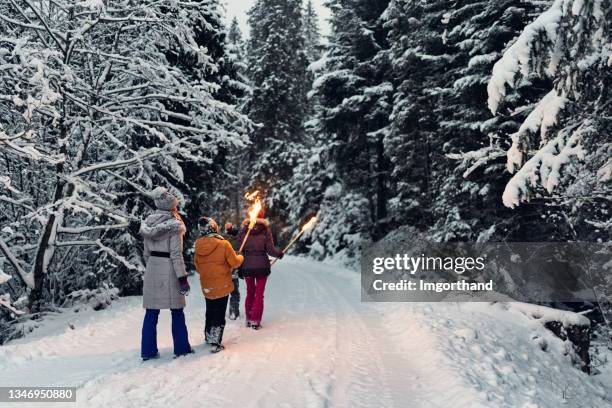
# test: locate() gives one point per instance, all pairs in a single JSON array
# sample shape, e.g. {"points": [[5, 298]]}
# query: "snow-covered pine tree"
{"points": [[561, 151], [313, 49], [352, 104], [90, 105], [442, 55], [419, 58], [312, 34], [467, 204], [238, 82], [277, 72], [236, 52]]}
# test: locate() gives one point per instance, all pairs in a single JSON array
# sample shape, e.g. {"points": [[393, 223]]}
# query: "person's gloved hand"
{"points": [[282, 254], [184, 286]]}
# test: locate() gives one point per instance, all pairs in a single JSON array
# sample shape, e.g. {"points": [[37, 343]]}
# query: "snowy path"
{"points": [[320, 347]]}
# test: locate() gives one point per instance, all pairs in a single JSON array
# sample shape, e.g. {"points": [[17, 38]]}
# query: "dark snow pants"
{"points": [[215, 320], [235, 298], [148, 345]]}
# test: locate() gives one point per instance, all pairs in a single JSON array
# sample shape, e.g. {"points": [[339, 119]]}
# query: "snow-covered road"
{"points": [[320, 347]]}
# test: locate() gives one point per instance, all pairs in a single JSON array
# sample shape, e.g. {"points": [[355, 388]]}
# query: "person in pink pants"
{"points": [[254, 302], [256, 267]]}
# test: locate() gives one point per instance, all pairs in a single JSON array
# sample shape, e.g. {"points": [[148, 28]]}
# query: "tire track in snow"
{"points": [[358, 375]]}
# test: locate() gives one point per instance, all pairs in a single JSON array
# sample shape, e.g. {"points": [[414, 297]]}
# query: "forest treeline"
{"points": [[469, 121], [466, 121]]}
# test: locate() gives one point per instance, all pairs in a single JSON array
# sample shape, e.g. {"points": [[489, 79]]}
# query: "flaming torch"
{"points": [[251, 196], [304, 228], [255, 208]]}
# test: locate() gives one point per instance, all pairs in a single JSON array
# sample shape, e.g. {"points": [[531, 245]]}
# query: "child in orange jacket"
{"points": [[215, 260]]}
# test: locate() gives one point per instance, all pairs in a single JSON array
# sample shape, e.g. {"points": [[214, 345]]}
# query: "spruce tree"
{"points": [[236, 181], [352, 103], [468, 207], [277, 72], [443, 53], [558, 149], [312, 34], [313, 50], [419, 58]]}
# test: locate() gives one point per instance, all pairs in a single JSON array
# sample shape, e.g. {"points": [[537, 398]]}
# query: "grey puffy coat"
{"points": [[163, 233]]}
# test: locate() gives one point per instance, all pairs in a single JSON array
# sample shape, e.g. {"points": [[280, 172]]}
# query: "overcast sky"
{"points": [[239, 9]]}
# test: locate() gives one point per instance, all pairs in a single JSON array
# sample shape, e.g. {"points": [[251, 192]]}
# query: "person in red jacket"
{"points": [[256, 267]]}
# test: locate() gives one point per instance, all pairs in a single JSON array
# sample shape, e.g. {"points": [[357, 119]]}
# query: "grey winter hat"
{"points": [[164, 200]]}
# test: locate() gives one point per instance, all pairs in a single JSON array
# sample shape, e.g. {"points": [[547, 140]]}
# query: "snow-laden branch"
{"points": [[544, 168], [30, 151], [478, 158], [5, 301], [561, 44], [113, 254], [102, 102], [22, 24], [22, 202], [518, 57], [542, 118], [83, 230], [6, 138], [146, 154], [75, 243], [26, 277], [129, 182], [52, 33]]}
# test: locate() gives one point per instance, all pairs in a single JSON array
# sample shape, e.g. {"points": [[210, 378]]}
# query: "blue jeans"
{"points": [[148, 345]]}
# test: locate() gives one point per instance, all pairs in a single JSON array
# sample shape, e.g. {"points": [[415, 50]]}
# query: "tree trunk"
{"points": [[40, 266], [381, 180]]}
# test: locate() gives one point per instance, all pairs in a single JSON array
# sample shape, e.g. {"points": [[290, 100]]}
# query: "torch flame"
{"points": [[251, 196], [309, 224], [305, 227], [253, 212]]}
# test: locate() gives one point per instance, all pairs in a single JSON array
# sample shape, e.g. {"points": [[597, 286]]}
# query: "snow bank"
{"points": [[546, 314], [502, 353]]}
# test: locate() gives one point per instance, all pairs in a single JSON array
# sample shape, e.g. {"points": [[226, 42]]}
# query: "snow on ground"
{"points": [[320, 347]]}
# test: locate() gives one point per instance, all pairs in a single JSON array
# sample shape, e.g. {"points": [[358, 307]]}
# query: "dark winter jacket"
{"points": [[232, 238], [258, 246]]}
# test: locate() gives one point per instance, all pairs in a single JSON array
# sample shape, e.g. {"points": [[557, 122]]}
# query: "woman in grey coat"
{"points": [[165, 281]]}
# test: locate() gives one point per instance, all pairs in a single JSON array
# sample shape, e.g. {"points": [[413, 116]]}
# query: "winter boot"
{"points": [[184, 354], [155, 357], [234, 311], [207, 337], [255, 326], [216, 337], [217, 348], [248, 323]]}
